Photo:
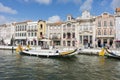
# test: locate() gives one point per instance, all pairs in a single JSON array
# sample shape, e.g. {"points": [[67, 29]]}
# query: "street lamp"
{"points": [[12, 43]]}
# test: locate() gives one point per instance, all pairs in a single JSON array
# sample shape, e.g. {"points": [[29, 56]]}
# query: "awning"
{"points": [[46, 40]]}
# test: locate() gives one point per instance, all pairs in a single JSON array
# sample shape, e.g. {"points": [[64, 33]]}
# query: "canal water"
{"points": [[80, 67]]}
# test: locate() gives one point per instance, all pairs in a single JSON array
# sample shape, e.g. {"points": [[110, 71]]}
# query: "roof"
{"points": [[117, 10]]}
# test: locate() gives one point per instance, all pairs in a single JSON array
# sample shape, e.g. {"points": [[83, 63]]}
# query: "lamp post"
{"points": [[12, 43]]}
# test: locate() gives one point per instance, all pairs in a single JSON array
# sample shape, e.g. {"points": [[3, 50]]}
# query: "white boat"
{"points": [[49, 53]]}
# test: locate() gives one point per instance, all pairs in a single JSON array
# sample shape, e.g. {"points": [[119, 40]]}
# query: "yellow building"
{"points": [[41, 31]]}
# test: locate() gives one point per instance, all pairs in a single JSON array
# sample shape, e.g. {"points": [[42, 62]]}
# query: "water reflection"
{"points": [[16, 67]]}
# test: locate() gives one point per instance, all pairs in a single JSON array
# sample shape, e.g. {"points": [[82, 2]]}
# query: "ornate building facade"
{"points": [[105, 30], [117, 26], [69, 32], [86, 27]]}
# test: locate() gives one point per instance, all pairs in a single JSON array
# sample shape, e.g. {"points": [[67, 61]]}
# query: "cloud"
{"points": [[44, 1], [2, 19], [66, 1], [39, 1], [53, 19], [115, 4], [87, 5], [6, 9]]}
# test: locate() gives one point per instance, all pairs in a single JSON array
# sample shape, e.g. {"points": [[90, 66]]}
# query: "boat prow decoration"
{"points": [[19, 49], [112, 54], [102, 52]]}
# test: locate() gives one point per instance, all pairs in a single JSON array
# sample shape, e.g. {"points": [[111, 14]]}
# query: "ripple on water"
{"points": [[16, 67]]}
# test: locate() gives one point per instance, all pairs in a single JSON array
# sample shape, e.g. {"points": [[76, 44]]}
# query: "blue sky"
{"points": [[52, 10]]}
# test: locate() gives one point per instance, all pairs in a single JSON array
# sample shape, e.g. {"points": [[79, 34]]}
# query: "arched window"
{"points": [[68, 25], [41, 26], [68, 35]]}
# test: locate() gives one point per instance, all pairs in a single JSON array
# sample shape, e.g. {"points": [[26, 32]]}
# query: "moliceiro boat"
{"points": [[112, 54], [46, 52]]}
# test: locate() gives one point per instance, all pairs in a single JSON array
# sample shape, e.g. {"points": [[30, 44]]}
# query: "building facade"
{"points": [[54, 32], [41, 31], [105, 30], [21, 32], [69, 32], [117, 26], [32, 33], [86, 26]]}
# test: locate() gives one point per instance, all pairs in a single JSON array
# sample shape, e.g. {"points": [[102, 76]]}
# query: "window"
{"points": [[28, 34], [68, 25], [68, 35], [41, 35], [105, 32], [73, 35], [64, 43], [110, 31], [99, 23], [68, 43], [73, 43], [41, 26], [105, 23], [32, 34], [99, 32], [69, 18], [81, 39], [35, 34], [111, 24], [25, 28], [64, 35]]}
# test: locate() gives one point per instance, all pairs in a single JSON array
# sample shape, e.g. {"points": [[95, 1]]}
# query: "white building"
{"points": [[117, 26], [7, 33], [21, 32], [32, 33], [86, 27]]}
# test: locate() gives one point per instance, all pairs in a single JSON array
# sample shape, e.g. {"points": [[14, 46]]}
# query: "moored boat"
{"points": [[111, 54], [46, 52]]}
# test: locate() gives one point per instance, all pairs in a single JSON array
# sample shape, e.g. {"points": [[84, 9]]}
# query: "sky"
{"points": [[52, 10]]}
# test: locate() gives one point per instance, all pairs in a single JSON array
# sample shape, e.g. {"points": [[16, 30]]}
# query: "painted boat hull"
{"points": [[112, 55], [47, 53]]}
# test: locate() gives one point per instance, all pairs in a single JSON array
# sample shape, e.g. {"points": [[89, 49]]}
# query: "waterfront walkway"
{"points": [[89, 51]]}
